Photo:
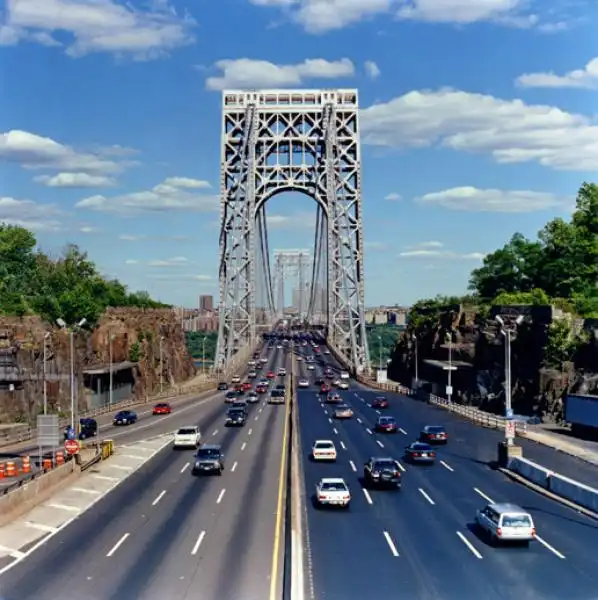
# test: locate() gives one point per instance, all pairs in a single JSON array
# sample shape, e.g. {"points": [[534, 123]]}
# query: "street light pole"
{"points": [[203, 355], [111, 374], [71, 332], [379, 352], [414, 338], [161, 366], [46, 336], [450, 369]]}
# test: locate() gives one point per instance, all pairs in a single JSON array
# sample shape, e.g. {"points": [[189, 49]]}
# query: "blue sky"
{"points": [[478, 119]]}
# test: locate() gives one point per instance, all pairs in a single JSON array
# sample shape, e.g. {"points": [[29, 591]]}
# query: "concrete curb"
{"points": [[540, 490]]}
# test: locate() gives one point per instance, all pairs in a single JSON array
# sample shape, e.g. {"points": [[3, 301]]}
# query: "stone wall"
{"points": [[478, 349], [136, 337]]}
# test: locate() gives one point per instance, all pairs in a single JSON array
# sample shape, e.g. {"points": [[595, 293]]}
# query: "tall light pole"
{"points": [[203, 354], [415, 344], [507, 329], [111, 359], [379, 352], [71, 331], [46, 336], [161, 366], [450, 368]]}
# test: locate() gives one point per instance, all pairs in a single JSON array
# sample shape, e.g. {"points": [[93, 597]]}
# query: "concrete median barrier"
{"points": [[530, 470], [575, 491]]}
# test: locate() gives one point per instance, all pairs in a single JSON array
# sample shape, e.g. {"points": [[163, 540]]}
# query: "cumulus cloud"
{"points": [[29, 214], [33, 151], [142, 30], [586, 78], [461, 11], [473, 199], [173, 194], [371, 69], [511, 131], [75, 180], [246, 73]]}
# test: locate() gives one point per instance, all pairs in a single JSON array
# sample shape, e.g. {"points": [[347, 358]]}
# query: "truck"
{"points": [[581, 410]]}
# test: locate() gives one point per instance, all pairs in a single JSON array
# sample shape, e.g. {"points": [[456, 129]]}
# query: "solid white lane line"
{"points": [[368, 430], [243, 446], [380, 443], [446, 466], [353, 465], [469, 545], [234, 467], [401, 467], [185, 467], [487, 498], [402, 431], [117, 545], [159, 497], [367, 496], [343, 446], [215, 432], [549, 547], [202, 535], [391, 544], [423, 493], [220, 496], [359, 420], [335, 430]]}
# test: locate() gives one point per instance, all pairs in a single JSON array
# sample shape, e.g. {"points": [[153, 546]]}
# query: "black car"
{"points": [[87, 428], [382, 471], [209, 459], [125, 417], [230, 397], [236, 417], [434, 434], [418, 452], [222, 386]]}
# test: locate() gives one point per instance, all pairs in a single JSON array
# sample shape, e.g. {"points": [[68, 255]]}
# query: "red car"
{"points": [[386, 425], [324, 388], [434, 434], [246, 386], [270, 375], [380, 402], [261, 389], [163, 408]]}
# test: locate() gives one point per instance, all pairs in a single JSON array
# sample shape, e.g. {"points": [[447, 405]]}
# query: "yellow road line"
{"points": [[281, 487]]}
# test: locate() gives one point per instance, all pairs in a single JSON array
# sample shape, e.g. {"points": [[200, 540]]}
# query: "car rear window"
{"points": [[436, 429], [516, 521], [186, 431], [324, 445], [333, 487]]}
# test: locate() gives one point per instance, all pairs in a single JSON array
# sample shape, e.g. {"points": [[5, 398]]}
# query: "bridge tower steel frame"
{"points": [[276, 141]]}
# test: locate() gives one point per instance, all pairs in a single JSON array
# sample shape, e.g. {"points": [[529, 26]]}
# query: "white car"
{"points": [[336, 382], [282, 372], [326, 351], [343, 385], [310, 367], [303, 383], [333, 491], [235, 379], [323, 450], [299, 358], [187, 437], [344, 375]]}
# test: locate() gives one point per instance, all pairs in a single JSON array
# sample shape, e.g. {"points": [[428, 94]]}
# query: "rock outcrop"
{"points": [[137, 336], [478, 352]]}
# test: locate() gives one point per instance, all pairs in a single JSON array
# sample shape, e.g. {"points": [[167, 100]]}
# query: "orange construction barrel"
{"points": [[47, 464], [26, 464], [11, 469], [59, 457]]}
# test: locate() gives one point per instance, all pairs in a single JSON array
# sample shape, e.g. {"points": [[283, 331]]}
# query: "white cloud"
{"points": [[376, 246], [130, 28], [245, 73], [460, 11], [29, 214], [179, 277], [393, 197], [306, 220], [510, 130], [130, 238], [135, 238], [88, 229], [36, 152], [371, 68], [441, 254], [75, 180], [579, 78], [431, 244], [131, 261], [187, 183], [177, 261], [472, 199], [171, 195]]}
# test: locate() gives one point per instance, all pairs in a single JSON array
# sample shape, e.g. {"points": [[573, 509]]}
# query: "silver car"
{"points": [[506, 523]]}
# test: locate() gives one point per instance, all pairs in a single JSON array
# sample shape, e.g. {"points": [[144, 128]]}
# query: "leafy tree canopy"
{"points": [[68, 287], [561, 264]]}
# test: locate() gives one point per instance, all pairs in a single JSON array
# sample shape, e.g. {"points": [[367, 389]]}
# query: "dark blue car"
{"points": [[125, 417]]}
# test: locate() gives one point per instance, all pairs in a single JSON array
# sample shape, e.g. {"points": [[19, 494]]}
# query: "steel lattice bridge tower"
{"points": [[276, 141]]}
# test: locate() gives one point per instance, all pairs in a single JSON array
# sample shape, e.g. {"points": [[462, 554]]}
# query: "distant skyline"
{"points": [[110, 127]]}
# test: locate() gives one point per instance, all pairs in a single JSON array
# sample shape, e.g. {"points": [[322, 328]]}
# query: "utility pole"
{"points": [[415, 343], [111, 359], [161, 365], [450, 368], [46, 336]]}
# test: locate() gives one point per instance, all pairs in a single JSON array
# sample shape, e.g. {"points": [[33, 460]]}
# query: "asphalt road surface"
{"points": [[164, 534], [420, 542]]}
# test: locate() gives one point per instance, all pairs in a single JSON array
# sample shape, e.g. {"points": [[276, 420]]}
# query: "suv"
{"points": [[209, 459], [506, 523], [382, 471], [236, 417], [187, 437], [277, 397]]}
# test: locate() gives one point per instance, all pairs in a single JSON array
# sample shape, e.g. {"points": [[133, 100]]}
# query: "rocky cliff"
{"points": [[137, 336], [477, 350]]}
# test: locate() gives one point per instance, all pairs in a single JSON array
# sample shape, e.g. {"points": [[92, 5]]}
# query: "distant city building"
{"points": [[206, 303], [386, 315]]}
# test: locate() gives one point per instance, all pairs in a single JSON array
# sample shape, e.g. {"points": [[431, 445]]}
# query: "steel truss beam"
{"points": [[291, 263], [302, 140]]}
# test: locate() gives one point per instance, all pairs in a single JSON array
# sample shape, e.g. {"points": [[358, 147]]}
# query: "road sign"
{"points": [[449, 390], [510, 429], [48, 431], [509, 413], [71, 446]]}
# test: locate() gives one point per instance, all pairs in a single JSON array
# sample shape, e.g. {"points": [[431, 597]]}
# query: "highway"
{"points": [[420, 542], [166, 534]]}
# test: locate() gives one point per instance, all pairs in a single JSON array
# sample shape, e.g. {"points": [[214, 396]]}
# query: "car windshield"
{"points": [[380, 398], [436, 429], [324, 445], [208, 453], [387, 420], [343, 407], [516, 521], [385, 464], [336, 486], [186, 431], [421, 447], [236, 413]]}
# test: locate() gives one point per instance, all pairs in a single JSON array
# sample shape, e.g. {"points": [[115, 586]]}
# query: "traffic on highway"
{"points": [[400, 500]]}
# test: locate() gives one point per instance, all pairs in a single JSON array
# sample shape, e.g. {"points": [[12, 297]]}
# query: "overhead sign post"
{"points": [[48, 433]]}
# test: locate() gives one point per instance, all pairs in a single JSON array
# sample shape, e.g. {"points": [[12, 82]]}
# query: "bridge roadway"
{"points": [[163, 534], [419, 542]]}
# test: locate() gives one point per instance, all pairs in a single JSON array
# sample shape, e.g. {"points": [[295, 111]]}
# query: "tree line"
{"points": [[68, 286]]}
